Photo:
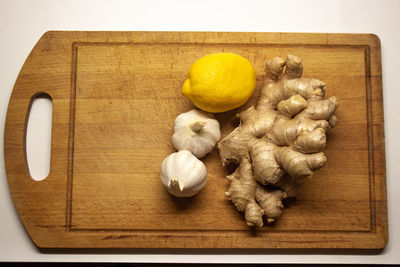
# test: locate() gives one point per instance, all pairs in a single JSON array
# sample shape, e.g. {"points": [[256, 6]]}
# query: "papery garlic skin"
{"points": [[182, 174], [196, 131]]}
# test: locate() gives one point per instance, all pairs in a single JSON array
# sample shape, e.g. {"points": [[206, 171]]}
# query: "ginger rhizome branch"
{"points": [[279, 141]]}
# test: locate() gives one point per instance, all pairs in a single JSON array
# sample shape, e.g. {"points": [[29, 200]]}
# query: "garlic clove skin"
{"points": [[196, 131], [182, 174]]}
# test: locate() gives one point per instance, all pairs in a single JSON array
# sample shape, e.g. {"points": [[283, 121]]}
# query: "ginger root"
{"points": [[278, 142]]}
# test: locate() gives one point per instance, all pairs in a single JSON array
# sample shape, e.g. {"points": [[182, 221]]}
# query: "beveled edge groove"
{"points": [[74, 64]]}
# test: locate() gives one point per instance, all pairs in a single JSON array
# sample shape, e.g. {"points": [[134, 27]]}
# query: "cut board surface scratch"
{"points": [[115, 97]]}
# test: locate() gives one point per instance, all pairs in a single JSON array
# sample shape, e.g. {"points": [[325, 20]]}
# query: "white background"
{"points": [[23, 22]]}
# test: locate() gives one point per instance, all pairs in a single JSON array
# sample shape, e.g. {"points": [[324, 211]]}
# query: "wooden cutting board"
{"points": [[115, 97]]}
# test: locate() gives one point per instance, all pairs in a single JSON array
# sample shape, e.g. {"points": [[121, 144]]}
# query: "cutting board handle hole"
{"points": [[38, 136]]}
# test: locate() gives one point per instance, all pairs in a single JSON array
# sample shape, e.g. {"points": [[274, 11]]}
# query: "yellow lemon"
{"points": [[220, 82]]}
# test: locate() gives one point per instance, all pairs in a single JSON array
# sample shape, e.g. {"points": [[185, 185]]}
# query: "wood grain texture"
{"points": [[115, 97]]}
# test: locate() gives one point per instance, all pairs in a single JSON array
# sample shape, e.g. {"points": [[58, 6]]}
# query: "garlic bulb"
{"points": [[196, 131], [182, 174]]}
